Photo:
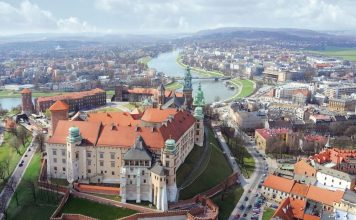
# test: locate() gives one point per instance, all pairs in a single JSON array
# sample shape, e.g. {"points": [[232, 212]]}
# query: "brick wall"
{"points": [[97, 189]]}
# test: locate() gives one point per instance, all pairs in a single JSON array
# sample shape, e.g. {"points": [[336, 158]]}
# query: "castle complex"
{"points": [[140, 151]]}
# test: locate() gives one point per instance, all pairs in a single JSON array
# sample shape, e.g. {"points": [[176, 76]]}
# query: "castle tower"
{"points": [[199, 103], [118, 92], [73, 139], [199, 126], [168, 158], [199, 100], [161, 94], [59, 111], [27, 104], [159, 187], [187, 88]]}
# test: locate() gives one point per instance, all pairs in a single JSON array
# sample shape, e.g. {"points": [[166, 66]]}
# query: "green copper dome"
{"points": [[198, 113], [199, 97], [170, 145], [74, 135]]}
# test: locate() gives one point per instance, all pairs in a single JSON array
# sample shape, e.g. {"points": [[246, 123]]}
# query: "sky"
{"points": [[171, 16]]}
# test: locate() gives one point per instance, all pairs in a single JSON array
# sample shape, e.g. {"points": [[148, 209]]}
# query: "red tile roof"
{"points": [[268, 133], [302, 167], [334, 155], [72, 95], [121, 129], [157, 115], [324, 196], [291, 208], [59, 106], [279, 183], [25, 91], [300, 189]]}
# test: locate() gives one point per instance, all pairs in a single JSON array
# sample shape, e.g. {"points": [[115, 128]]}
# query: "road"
{"points": [[250, 185], [8, 191]]}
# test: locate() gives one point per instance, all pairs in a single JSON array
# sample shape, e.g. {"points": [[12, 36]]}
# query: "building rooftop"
{"points": [[59, 106], [279, 183], [324, 196]]}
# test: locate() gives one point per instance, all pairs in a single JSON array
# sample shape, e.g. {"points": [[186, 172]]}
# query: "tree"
{"points": [[15, 143], [217, 99], [22, 135], [47, 113], [40, 139]]}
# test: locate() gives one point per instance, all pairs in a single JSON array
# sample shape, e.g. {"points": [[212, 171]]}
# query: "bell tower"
{"points": [[169, 154], [187, 88], [27, 104]]}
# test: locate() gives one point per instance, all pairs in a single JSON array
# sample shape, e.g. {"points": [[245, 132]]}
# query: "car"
{"points": [[254, 218], [21, 164], [241, 207], [256, 195], [249, 191], [259, 186], [246, 198], [264, 158], [249, 207], [237, 216], [25, 155], [244, 215], [22, 161]]}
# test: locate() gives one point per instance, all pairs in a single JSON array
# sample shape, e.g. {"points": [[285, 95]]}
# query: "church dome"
{"points": [[170, 145], [74, 135]]}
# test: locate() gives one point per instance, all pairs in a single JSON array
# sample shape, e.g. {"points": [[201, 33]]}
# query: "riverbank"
{"points": [[17, 94], [198, 70], [145, 60], [173, 86], [244, 87]]}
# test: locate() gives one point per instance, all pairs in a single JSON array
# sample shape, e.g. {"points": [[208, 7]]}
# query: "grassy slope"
{"points": [[174, 86], [28, 209], [96, 210], [267, 213], [247, 88], [8, 152], [227, 205], [346, 53], [198, 70], [216, 171]]}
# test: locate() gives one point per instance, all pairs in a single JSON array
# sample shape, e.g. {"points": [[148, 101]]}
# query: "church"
{"points": [[139, 151]]}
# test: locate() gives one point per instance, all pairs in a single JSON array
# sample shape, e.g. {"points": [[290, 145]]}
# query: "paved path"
{"points": [[16, 176], [248, 184]]}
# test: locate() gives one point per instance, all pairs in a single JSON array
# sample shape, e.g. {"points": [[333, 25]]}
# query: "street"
{"points": [[8, 191]]}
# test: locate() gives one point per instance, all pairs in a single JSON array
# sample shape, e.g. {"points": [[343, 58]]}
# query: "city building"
{"points": [[75, 100], [265, 138], [342, 104]]}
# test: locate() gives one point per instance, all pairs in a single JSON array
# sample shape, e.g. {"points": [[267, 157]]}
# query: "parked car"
{"points": [[249, 206], [246, 198], [241, 207]]}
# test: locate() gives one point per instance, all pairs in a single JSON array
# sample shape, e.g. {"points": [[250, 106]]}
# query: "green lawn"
{"points": [[267, 213], [174, 86], [248, 165], [190, 162], [7, 152], [106, 196], [198, 70], [245, 88], [14, 94], [345, 53], [45, 204], [95, 210], [217, 170], [227, 201]]}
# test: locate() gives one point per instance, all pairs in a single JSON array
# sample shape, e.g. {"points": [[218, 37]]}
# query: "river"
{"points": [[166, 63]]}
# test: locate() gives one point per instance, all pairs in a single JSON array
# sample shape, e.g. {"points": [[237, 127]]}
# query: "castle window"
{"points": [[55, 168], [63, 152], [112, 155], [63, 160], [126, 163], [54, 160], [167, 163], [101, 155], [54, 152], [89, 154], [143, 172], [112, 163], [76, 155], [64, 169], [101, 162], [144, 181], [112, 173]]}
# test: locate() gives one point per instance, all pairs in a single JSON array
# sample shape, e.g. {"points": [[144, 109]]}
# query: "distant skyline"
{"points": [[164, 16]]}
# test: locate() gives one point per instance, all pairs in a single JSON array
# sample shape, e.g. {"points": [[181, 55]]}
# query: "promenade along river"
{"points": [[166, 63]]}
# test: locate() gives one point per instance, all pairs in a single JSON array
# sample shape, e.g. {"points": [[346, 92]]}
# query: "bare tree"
{"points": [[40, 139], [15, 143], [22, 135]]}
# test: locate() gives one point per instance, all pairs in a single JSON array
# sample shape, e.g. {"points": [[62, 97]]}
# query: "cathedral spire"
{"points": [[199, 97]]}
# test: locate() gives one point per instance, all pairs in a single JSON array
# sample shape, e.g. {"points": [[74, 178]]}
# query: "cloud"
{"points": [[28, 17], [193, 15]]}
